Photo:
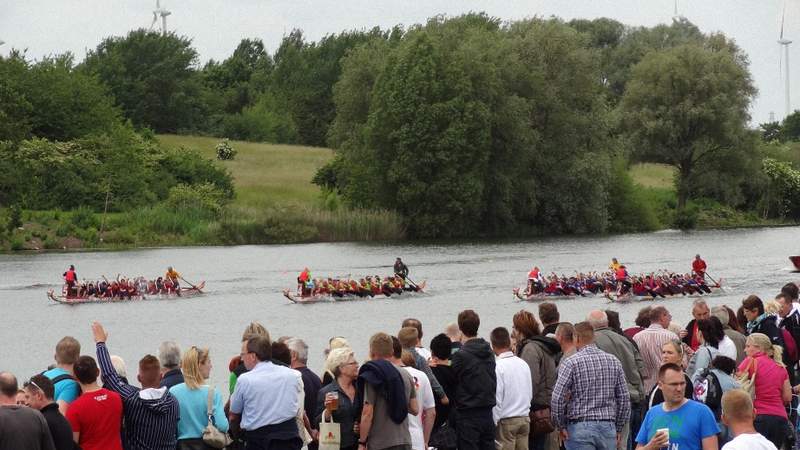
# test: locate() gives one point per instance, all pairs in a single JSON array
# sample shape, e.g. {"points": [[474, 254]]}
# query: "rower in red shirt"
{"points": [[699, 266]]}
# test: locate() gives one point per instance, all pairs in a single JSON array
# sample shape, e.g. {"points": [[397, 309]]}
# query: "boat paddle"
{"points": [[414, 285], [715, 281], [190, 284]]}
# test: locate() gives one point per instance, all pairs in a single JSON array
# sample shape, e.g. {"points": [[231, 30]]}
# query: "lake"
{"points": [[244, 284]]}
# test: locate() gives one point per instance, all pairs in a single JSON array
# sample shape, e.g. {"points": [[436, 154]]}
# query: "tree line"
{"points": [[466, 126]]}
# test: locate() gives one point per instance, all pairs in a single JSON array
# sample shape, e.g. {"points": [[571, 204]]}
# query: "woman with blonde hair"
{"points": [[671, 352], [343, 367], [192, 396], [336, 342], [771, 390]]}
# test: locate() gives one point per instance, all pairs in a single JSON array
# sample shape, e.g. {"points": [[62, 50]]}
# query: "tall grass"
{"points": [[306, 224], [357, 225]]}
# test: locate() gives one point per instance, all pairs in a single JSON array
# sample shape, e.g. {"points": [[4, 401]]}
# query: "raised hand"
{"points": [[100, 334]]}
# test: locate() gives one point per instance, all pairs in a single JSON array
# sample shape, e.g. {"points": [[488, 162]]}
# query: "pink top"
{"points": [[769, 385]]}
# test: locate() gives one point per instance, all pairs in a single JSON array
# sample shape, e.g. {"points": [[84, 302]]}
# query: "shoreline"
{"points": [[520, 238]]}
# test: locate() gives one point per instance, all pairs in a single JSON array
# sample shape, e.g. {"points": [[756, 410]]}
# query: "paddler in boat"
{"points": [[70, 279], [302, 280], [400, 269], [173, 276], [621, 277], [614, 264], [699, 266], [535, 284]]}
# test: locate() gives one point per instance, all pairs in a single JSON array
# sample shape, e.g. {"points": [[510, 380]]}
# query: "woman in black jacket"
{"points": [[758, 321]]}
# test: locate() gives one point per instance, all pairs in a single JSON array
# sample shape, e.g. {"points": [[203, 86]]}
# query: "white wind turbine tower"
{"points": [[785, 44], [159, 11]]}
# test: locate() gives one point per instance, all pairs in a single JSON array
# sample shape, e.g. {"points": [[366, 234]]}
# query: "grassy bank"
{"points": [[656, 182], [275, 202]]}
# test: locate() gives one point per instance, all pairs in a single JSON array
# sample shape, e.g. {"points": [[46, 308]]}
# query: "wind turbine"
{"points": [[785, 44], [159, 11], [675, 16]]}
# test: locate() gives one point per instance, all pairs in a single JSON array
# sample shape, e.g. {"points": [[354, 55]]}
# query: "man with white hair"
{"points": [[169, 355], [700, 311], [311, 382], [628, 355]]}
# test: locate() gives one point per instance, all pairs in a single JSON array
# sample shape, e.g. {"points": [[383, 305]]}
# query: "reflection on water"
{"points": [[244, 284]]}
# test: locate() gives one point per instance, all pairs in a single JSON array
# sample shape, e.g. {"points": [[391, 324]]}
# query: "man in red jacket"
{"points": [[699, 266]]}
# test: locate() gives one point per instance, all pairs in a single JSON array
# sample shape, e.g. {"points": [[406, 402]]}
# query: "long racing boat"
{"points": [[716, 289], [329, 298], [185, 292]]}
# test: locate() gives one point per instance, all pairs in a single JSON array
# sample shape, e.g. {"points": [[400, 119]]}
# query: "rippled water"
{"points": [[244, 284]]}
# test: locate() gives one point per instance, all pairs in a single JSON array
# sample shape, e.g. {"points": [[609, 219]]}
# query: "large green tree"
{"points": [[469, 127], [153, 78], [52, 100], [687, 106]]}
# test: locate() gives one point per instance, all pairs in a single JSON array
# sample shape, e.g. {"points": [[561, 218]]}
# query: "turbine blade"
{"points": [[783, 18], [155, 19]]}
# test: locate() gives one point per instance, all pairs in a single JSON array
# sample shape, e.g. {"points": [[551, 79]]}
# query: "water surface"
{"points": [[244, 284]]}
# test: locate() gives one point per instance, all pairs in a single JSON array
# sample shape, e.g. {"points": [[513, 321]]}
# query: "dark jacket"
{"points": [[385, 378], [475, 374], [311, 386], [345, 414], [791, 323], [171, 378], [769, 327], [60, 429]]}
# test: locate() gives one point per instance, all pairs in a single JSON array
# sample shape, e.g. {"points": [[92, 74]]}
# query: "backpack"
{"points": [[790, 346], [707, 390]]}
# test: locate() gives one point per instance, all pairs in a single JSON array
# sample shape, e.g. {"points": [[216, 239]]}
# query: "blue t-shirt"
{"points": [[66, 390], [688, 425]]}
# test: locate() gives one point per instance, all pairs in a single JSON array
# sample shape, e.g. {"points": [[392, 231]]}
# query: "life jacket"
{"points": [[70, 276], [621, 274]]}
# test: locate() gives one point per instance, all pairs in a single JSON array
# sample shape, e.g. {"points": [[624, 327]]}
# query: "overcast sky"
{"points": [[216, 26]]}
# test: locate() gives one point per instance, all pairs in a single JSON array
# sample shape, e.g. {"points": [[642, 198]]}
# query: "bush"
{"points": [[204, 200], [84, 218], [262, 122], [65, 229], [188, 167], [51, 243], [17, 243], [686, 219], [14, 217], [225, 151]]}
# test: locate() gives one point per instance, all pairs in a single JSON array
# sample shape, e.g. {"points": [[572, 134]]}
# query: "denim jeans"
{"points": [[637, 415], [591, 436]]}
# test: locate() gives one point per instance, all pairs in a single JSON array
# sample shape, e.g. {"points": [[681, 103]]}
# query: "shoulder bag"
{"points": [[211, 434], [748, 381]]}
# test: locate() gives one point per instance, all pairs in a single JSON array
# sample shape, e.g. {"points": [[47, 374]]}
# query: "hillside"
{"points": [[265, 174]]}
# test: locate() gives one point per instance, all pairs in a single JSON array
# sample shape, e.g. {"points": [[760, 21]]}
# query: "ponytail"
{"points": [[776, 353]]}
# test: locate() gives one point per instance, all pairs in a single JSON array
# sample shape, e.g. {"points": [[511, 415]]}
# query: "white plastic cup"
{"points": [[665, 431]]}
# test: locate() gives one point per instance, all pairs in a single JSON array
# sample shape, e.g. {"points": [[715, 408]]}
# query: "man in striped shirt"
{"points": [[151, 413], [650, 341], [590, 404]]}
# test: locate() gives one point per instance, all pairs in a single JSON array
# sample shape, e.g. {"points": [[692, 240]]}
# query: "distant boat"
{"points": [[796, 261]]}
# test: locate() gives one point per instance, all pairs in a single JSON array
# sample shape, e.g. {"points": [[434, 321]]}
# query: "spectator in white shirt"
{"points": [[424, 352], [514, 394], [738, 414]]}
